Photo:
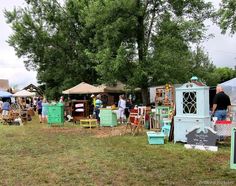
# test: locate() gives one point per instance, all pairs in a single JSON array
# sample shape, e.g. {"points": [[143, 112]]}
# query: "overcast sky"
{"points": [[221, 50]]}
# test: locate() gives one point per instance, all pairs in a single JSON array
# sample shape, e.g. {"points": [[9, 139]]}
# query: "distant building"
{"points": [[35, 89], [4, 84]]}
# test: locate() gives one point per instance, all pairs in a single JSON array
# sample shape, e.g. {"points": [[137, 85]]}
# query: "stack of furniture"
{"points": [[165, 95], [162, 112]]}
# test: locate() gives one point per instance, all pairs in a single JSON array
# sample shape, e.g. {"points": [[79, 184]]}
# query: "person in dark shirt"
{"points": [[221, 104]]}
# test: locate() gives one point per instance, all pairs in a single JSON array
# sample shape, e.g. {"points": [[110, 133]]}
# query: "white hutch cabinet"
{"points": [[192, 109]]}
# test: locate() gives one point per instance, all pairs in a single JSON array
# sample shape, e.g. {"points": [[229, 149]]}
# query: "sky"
{"points": [[221, 50]]}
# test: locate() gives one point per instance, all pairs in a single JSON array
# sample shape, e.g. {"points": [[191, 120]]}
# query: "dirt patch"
{"points": [[110, 131], [96, 132]]}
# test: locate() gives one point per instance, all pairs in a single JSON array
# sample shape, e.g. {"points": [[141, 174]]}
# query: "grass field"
{"points": [[35, 154]]}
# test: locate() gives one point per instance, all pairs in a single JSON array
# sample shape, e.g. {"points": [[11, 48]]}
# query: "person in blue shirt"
{"points": [[45, 105], [5, 108], [98, 105]]}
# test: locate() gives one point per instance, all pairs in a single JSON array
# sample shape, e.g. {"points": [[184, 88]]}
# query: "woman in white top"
{"points": [[121, 106]]}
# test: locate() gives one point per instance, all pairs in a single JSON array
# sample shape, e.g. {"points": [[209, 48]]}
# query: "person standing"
{"points": [[35, 104], [45, 110], [39, 108], [221, 104], [128, 108], [92, 104], [1, 103], [98, 105], [121, 108], [61, 100], [5, 108]]}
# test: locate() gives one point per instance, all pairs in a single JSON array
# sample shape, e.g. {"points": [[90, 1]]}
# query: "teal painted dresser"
{"points": [[108, 117], [56, 114]]}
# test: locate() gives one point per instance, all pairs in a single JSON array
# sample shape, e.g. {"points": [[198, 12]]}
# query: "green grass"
{"points": [[35, 154]]}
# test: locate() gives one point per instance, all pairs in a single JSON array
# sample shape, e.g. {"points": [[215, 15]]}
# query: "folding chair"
{"points": [[138, 124], [131, 119]]}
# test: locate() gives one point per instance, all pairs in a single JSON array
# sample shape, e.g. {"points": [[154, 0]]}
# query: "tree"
{"points": [[52, 39], [227, 16], [224, 74], [203, 68], [108, 40], [124, 31]]}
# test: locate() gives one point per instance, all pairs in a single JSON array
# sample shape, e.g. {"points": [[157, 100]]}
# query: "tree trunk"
{"points": [[145, 96], [140, 34]]}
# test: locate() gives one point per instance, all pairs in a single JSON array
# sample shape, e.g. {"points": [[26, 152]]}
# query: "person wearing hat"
{"points": [[92, 105], [61, 99], [93, 99]]}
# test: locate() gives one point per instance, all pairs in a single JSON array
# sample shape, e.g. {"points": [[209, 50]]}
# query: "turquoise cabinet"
{"points": [[56, 114], [192, 109], [108, 117]]}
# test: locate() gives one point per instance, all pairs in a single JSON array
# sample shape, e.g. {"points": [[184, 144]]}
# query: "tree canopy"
{"points": [[227, 16], [140, 43]]}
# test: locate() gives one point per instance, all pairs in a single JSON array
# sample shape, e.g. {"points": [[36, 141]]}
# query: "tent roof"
{"points": [[85, 88], [4, 94], [230, 89], [24, 93], [231, 83], [32, 88], [82, 88], [118, 88]]}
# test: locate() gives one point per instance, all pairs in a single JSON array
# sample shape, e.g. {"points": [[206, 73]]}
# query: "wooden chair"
{"points": [[131, 119], [135, 121], [8, 119], [24, 115], [138, 124]]}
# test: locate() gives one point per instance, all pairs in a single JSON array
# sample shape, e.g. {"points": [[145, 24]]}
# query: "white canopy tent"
{"points": [[230, 89], [24, 93]]}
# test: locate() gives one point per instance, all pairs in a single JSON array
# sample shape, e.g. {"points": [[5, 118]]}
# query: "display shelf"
{"points": [[165, 95], [80, 109]]}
